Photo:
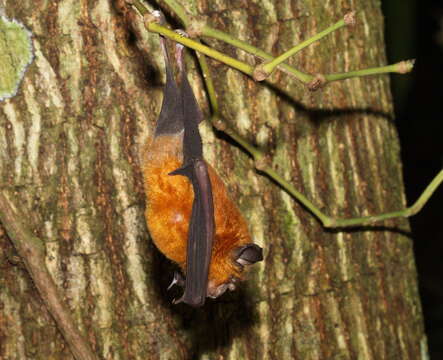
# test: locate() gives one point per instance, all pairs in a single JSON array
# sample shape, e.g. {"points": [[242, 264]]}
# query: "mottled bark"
{"points": [[69, 148]]}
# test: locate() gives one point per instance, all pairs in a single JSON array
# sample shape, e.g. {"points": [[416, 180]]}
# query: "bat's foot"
{"points": [[221, 289], [159, 16], [177, 301], [182, 33]]}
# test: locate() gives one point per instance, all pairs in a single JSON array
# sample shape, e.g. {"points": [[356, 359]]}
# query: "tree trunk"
{"points": [[70, 144]]}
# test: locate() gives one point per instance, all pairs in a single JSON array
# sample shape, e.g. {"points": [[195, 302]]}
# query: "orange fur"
{"points": [[169, 206]]}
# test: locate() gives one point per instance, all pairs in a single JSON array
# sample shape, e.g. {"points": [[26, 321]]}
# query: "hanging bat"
{"points": [[190, 216]]}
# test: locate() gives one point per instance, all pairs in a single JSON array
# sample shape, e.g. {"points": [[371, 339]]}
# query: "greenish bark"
{"points": [[69, 152]]}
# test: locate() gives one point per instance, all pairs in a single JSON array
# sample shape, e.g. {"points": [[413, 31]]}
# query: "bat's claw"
{"points": [[159, 16], [177, 301], [182, 32], [177, 279]]}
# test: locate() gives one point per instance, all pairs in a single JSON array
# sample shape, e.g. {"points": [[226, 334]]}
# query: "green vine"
{"points": [[197, 27]]}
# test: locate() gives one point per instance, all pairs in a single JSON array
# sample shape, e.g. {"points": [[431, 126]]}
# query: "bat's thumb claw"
{"points": [[184, 171], [177, 279], [173, 282]]}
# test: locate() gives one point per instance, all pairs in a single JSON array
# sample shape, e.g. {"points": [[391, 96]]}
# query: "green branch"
{"points": [[261, 165], [264, 70], [180, 11], [210, 89], [197, 27], [327, 221], [313, 82], [220, 35], [401, 67], [197, 46]]}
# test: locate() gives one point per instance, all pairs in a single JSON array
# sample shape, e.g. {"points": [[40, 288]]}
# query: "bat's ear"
{"points": [[248, 254]]}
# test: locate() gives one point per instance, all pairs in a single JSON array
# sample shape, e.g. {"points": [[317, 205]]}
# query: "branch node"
{"points": [[259, 73], [182, 32], [329, 223], [349, 18], [219, 124], [179, 46], [316, 83], [406, 66], [153, 17]]}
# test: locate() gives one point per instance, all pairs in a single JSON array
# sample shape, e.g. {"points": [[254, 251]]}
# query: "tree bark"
{"points": [[70, 142]]}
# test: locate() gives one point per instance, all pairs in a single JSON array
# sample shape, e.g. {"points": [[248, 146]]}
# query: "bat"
{"points": [[190, 216]]}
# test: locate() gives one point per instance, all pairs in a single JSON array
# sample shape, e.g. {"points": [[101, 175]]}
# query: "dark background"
{"points": [[414, 29]]}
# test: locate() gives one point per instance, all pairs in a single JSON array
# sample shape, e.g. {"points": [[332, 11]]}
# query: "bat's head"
{"points": [[226, 271]]}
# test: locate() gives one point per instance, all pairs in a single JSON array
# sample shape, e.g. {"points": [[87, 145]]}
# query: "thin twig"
{"points": [[261, 165], [180, 11], [208, 31], [327, 221], [234, 63], [312, 81], [264, 70], [210, 89], [31, 249]]}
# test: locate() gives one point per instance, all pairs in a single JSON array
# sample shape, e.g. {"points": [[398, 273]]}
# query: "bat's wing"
{"points": [[170, 120], [202, 225], [200, 234]]}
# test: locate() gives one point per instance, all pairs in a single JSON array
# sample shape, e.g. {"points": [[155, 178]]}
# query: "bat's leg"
{"points": [[222, 289], [179, 57]]}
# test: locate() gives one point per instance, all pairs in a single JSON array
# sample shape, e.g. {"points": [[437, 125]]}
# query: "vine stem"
{"points": [[220, 35], [199, 27], [195, 45], [327, 221], [313, 81], [264, 70], [261, 165], [401, 67]]}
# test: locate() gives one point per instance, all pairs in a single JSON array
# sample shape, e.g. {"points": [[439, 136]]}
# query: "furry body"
{"points": [[169, 206]]}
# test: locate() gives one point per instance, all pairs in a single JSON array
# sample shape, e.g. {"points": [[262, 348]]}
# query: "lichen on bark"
{"points": [[16, 54]]}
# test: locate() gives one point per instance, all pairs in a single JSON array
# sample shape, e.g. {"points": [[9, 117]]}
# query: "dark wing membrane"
{"points": [[200, 235], [201, 226], [170, 120], [192, 116]]}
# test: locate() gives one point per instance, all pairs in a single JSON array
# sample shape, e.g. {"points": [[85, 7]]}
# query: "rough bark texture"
{"points": [[69, 147]]}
